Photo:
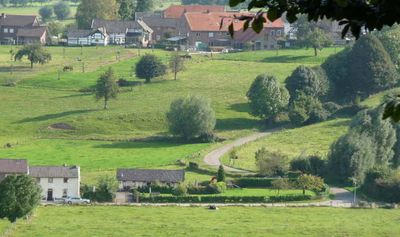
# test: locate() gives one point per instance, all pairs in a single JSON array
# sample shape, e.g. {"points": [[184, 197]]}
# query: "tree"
{"points": [[317, 39], [46, 12], [389, 38], [271, 163], [176, 64], [61, 10], [144, 5], [371, 68], [19, 195], [55, 28], [301, 110], [36, 54], [126, 9], [221, 174], [106, 187], [191, 117], [267, 97], [233, 156], [309, 182], [149, 67], [280, 184], [106, 87], [353, 15], [91, 9], [308, 81], [313, 165]]}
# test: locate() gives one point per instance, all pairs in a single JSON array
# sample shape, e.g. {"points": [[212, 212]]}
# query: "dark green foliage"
{"points": [[267, 97], [126, 9], [254, 182], [221, 174], [351, 156], [317, 39], [144, 5], [181, 190], [190, 117], [371, 69], [46, 12], [106, 188], [19, 195], [95, 9], [106, 87], [382, 184], [395, 162], [36, 54], [149, 67], [193, 165], [313, 165], [310, 182], [271, 163], [306, 108], [389, 37], [306, 80], [332, 107], [61, 10]]}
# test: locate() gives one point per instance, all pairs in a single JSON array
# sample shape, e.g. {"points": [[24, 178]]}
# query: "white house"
{"points": [[57, 181], [134, 178], [88, 37]]}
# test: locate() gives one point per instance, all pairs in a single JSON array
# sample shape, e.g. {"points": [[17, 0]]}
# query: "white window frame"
{"points": [[11, 30], [210, 34], [5, 30]]}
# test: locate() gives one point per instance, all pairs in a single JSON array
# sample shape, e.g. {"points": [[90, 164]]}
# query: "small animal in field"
{"points": [[68, 69]]}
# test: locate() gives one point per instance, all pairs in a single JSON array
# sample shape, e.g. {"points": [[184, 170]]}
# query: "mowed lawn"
{"points": [[192, 221], [309, 140]]}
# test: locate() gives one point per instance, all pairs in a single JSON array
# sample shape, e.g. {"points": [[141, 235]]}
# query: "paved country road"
{"points": [[342, 197], [213, 158]]}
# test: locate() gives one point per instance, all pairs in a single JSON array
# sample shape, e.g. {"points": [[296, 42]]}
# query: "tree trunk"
{"points": [[304, 191], [315, 51], [148, 80], [175, 74], [31, 64], [105, 103]]}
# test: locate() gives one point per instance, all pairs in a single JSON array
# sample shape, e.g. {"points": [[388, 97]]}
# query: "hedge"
{"points": [[226, 199]]}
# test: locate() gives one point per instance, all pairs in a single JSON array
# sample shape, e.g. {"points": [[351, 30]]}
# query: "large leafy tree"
{"points": [[36, 54], [176, 64], [317, 39], [19, 195], [267, 97], [90, 9], [191, 117], [144, 5], [126, 9], [353, 14], [390, 38], [61, 10], [106, 87], [309, 182], [371, 69], [149, 67]]}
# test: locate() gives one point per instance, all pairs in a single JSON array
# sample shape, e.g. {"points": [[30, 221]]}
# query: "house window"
{"points": [[158, 37], [198, 34], [278, 32], [11, 30], [5, 30], [50, 180], [65, 180], [272, 32], [211, 34], [65, 192]]}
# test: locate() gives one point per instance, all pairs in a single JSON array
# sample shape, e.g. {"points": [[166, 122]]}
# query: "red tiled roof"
{"points": [[177, 11], [200, 21]]}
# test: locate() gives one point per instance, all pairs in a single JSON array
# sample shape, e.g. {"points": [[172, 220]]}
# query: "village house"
{"points": [[204, 31], [104, 32], [21, 29], [167, 24], [57, 181], [12, 167], [134, 178]]}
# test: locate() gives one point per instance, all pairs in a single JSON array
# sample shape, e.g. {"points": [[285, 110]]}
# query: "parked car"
{"points": [[76, 200]]}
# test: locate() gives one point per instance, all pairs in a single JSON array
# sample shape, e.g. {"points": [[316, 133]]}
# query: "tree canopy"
{"points": [[149, 67], [91, 9], [61, 10], [36, 54], [106, 87], [19, 195]]}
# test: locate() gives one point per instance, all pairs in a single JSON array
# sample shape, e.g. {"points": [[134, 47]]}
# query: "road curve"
{"points": [[213, 158]]}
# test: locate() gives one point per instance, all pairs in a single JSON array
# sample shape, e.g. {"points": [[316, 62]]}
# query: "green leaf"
{"points": [[234, 3], [273, 14]]}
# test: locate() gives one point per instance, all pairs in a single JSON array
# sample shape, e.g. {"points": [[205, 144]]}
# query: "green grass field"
{"points": [[232, 221], [309, 140], [105, 140]]}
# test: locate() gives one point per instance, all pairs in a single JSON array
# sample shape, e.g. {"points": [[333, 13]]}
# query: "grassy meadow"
{"points": [[133, 131], [193, 221]]}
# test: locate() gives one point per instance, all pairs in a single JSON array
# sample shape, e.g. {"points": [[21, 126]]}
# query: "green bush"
{"points": [[181, 190], [254, 182], [226, 199]]}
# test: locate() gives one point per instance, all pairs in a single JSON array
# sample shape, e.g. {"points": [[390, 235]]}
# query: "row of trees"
{"points": [[60, 9], [109, 10]]}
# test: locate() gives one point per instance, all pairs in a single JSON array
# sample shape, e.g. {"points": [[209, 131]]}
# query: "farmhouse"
{"points": [[21, 29], [57, 181], [87, 37], [12, 167], [204, 30], [133, 178]]}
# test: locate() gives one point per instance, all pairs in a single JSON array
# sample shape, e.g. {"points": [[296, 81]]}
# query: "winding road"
{"points": [[342, 197]]}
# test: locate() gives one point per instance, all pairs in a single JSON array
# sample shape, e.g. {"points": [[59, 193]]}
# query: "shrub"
{"points": [[149, 67], [310, 182], [313, 165], [193, 165], [332, 107], [305, 80], [191, 117], [254, 182], [271, 163], [382, 184], [180, 190], [61, 10], [267, 98], [226, 199], [221, 174], [46, 12], [301, 110]]}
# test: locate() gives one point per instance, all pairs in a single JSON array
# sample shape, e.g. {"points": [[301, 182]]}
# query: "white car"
{"points": [[76, 200]]}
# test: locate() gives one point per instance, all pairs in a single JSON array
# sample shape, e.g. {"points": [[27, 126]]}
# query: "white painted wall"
{"points": [[58, 186]]}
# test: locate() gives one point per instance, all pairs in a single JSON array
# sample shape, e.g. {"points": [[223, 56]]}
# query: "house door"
{"points": [[50, 195]]}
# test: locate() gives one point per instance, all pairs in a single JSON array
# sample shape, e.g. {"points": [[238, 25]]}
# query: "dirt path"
{"points": [[213, 158]]}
